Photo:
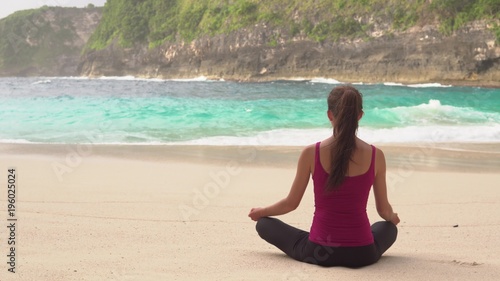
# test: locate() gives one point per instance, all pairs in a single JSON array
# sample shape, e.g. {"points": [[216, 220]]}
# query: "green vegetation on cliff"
{"points": [[37, 38], [157, 21], [453, 14]]}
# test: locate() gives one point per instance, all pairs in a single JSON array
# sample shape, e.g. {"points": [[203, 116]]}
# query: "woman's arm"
{"points": [[384, 208], [292, 201]]}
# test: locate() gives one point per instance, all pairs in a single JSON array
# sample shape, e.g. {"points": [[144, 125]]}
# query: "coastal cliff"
{"points": [[254, 40], [46, 41], [420, 54], [378, 41]]}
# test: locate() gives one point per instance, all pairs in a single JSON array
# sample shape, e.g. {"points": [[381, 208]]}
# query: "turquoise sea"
{"points": [[126, 110]]}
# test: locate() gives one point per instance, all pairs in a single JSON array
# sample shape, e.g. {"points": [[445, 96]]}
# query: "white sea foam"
{"points": [[431, 113], [280, 137], [393, 84], [412, 134], [428, 85], [42, 82], [196, 79], [433, 134], [118, 78], [296, 79], [72, 78], [325, 81], [301, 137], [15, 141], [432, 105], [133, 78], [425, 85], [318, 80]]}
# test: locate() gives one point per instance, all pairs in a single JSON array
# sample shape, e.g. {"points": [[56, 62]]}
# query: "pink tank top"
{"points": [[340, 218]]}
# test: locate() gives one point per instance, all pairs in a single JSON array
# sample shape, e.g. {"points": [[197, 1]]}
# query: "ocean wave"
{"points": [[412, 134], [393, 84], [23, 141], [71, 78], [296, 79], [433, 134], [325, 81], [321, 80], [133, 78], [196, 79], [428, 85], [432, 112], [42, 82], [424, 85], [302, 137], [118, 78]]}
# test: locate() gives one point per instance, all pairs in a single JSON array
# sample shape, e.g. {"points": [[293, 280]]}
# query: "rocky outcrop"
{"points": [[420, 54], [50, 42], [46, 41]]}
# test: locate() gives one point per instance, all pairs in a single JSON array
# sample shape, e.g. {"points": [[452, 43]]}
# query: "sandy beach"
{"points": [[109, 212]]}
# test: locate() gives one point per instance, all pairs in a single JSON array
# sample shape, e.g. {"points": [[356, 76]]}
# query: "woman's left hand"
{"points": [[256, 213]]}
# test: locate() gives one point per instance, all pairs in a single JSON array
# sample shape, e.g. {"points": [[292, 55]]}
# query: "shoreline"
{"points": [[264, 79], [454, 157], [445, 82]]}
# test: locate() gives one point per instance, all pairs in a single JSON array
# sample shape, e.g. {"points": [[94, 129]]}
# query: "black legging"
{"points": [[295, 243]]}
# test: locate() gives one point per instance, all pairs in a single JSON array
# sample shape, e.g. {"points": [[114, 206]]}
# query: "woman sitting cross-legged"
{"points": [[343, 169]]}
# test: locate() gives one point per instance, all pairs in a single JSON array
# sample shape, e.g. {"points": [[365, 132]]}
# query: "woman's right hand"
{"points": [[255, 213], [395, 218]]}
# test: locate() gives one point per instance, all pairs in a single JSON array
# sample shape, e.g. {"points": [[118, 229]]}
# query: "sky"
{"points": [[9, 7]]}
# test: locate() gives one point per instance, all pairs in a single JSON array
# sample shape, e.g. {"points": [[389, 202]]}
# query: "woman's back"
{"points": [[360, 160], [340, 217]]}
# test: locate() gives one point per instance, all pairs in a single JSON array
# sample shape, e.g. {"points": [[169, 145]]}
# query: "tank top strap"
{"points": [[316, 154], [372, 163]]}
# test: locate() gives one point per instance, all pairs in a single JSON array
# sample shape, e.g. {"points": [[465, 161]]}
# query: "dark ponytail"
{"points": [[346, 104]]}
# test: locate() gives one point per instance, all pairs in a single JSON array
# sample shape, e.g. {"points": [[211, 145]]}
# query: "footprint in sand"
{"points": [[466, 263]]}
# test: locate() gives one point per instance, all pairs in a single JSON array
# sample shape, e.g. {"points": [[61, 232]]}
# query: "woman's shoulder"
{"points": [[361, 144], [379, 154], [310, 149], [309, 152]]}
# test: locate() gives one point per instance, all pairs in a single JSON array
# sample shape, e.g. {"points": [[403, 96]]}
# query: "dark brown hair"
{"points": [[346, 104]]}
